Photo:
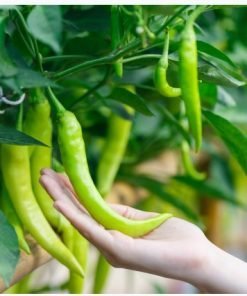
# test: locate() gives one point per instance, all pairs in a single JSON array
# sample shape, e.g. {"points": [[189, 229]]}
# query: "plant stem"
{"points": [[114, 56], [29, 49], [63, 57], [55, 102], [93, 89], [20, 118], [38, 55], [111, 58], [141, 57], [125, 10], [194, 15], [23, 22], [171, 19]]}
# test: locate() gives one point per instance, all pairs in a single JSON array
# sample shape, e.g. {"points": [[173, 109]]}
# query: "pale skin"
{"points": [[177, 249]]}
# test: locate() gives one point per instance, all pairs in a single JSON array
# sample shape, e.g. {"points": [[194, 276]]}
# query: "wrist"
{"points": [[205, 270], [202, 266], [219, 272]]}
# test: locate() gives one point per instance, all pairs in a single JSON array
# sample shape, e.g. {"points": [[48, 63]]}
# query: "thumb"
{"points": [[131, 213]]}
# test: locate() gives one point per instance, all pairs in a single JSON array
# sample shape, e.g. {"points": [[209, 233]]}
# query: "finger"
{"points": [[54, 189], [58, 178], [88, 227], [132, 213], [66, 183]]}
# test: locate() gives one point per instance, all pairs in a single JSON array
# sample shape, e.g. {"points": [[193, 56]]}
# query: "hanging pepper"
{"points": [[79, 248], [110, 160], [38, 125], [160, 73], [187, 162], [17, 178], [189, 78], [74, 159]]}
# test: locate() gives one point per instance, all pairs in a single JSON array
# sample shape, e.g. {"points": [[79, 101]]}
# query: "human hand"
{"points": [[175, 249]]}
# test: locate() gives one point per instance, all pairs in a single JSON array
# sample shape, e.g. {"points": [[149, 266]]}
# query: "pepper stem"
{"points": [[20, 118], [194, 15], [55, 102], [164, 58], [36, 96], [166, 45]]}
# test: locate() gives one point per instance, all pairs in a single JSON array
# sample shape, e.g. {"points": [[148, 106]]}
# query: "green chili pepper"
{"points": [[160, 74], [38, 125], [187, 162], [80, 249], [113, 151], [21, 287], [116, 37], [17, 178], [189, 79], [110, 160], [10, 213], [74, 159], [78, 245], [101, 275]]}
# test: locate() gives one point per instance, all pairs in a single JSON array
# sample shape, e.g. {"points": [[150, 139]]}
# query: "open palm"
{"points": [[175, 249]]}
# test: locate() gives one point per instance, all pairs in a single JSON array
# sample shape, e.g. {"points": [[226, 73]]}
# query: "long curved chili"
{"points": [[74, 159], [187, 162], [189, 78], [79, 248], [160, 73], [17, 178], [38, 125]]}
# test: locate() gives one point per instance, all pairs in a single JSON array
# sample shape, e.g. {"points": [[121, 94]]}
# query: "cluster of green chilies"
{"points": [[19, 178], [189, 90], [22, 193]]}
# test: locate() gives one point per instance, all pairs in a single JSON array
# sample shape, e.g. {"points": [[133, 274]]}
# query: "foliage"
{"points": [[69, 49]]}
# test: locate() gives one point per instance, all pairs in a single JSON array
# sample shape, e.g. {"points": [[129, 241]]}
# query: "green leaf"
{"points": [[212, 71], [45, 24], [224, 98], [91, 18], [215, 74], [233, 138], [211, 190], [9, 250], [28, 79], [118, 109], [126, 97], [9, 135], [157, 188], [207, 48], [7, 68], [208, 94]]}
